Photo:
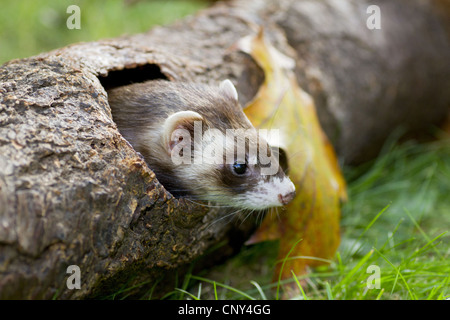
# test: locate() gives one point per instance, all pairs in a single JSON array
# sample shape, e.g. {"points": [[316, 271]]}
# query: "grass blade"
{"points": [[187, 292], [422, 232], [352, 272], [261, 292], [299, 285], [412, 295], [380, 294], [215, 291], [329, 291], [224, 286], [282, 267], [369, 226]]}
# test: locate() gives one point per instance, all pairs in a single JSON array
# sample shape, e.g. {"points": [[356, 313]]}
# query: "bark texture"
{"points": [[74, 192]]}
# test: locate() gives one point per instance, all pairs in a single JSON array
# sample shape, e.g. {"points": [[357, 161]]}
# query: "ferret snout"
{"points": [[286, 198]]}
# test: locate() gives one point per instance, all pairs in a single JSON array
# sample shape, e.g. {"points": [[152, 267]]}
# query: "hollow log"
{"points": [[74, 192]]}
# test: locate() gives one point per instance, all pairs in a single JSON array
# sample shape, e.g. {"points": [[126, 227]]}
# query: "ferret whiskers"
{"points": [[232, 214], [207, 205], [249, 213]]}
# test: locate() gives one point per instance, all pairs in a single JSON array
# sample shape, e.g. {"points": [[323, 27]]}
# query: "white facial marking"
{"points": [[266, 194]]}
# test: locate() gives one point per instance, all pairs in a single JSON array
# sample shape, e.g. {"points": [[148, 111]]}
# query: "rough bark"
{"points": [[74, 192]]}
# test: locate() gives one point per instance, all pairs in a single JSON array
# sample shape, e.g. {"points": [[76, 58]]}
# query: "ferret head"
{"points": [[222, 158]]}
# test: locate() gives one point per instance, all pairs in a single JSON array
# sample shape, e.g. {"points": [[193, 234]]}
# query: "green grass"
{"points": [[396, 221], [31, 27]]}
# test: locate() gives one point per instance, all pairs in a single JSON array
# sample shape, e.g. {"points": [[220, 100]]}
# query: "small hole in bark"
{"points": [[118, 78]]}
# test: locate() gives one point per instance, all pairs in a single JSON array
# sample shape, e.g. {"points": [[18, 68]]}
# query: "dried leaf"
{"points": [[313, 216]]}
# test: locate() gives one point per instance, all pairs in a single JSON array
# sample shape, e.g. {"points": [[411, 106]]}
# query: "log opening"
{"points": [[142, 73]]}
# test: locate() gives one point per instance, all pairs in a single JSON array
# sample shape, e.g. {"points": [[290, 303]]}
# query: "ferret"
{"points": [[171, 124]]}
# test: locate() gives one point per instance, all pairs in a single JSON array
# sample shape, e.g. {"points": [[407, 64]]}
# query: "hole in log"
{"points": [[118, 78], [133, 116]]}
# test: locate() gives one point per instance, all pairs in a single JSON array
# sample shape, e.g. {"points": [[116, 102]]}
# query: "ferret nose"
{"points": [[285, 199]]}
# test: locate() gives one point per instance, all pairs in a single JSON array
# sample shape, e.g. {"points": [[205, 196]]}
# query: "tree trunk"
{"points": [[74, 192]]}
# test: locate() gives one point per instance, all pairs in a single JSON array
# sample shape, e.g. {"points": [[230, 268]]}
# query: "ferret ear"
{"points": [[178, 130], [227, 88]]}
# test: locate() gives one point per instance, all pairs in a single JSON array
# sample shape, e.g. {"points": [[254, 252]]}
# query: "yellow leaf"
{"points": [[314, 214]]}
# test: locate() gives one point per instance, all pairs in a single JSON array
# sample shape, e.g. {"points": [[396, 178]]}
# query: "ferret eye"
{"points": [[239, 168]]}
